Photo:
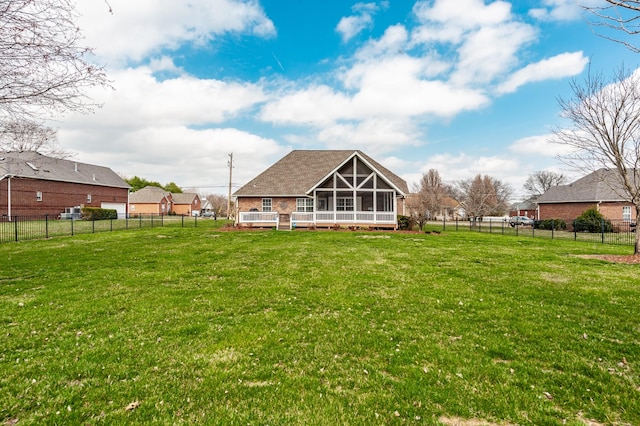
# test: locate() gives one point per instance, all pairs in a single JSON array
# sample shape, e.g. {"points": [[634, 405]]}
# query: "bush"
{"points": [[557, 224], [591, 220], [404, 222], [96, 213]]}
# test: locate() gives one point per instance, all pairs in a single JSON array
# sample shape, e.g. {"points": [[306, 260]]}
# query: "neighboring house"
{"points": [[525, 208], [150, 200], [600, 189], [186, 203], [34, 184], [323, 189], [452, 209]]}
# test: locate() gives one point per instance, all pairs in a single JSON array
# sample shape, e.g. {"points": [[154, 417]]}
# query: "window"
{"points": [[304, 204], [266, 204], [626, 213], [345, 204], [88, 198], [39, 196]]}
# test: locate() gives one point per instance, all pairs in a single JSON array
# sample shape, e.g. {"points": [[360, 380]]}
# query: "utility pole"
{"points": [[230, 162]]}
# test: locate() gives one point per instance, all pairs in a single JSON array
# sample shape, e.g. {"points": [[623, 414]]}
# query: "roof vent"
{"points": [[32, 166], [75, 165]]}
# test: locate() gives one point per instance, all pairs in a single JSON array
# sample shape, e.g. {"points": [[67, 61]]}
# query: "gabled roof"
{"points": [[184, 197], [33, 165], [601, 185], [297, 173], [149, 195]]}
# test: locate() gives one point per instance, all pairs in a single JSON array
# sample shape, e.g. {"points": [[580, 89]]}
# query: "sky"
{"points": [[465, 87]]}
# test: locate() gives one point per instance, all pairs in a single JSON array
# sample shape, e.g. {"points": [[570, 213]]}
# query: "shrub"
{"points": [[404, 222], [557, 224], [96, 213], [591, 220]]}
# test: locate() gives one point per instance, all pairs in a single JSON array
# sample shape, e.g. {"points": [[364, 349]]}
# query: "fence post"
{"points": [[111, 225], [575, 232], [93, 224], [15, 226], [553, 227], [602, 230], [182, 219], [140, 221], [71, 220], [195, 221]]}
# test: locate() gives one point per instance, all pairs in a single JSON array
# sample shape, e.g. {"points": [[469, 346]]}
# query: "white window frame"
{"points": [[267, 204], [38, 195], [626, 213], [304, 205], [88, 198], [344, 204]]}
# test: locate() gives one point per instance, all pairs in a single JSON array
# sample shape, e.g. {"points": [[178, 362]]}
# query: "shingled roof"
{"points": [[601, 185], [183, 197], [300, 171], [148, 195], [33, 165]]}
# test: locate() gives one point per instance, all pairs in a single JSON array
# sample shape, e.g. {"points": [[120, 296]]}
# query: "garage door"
{"points": [[121, 208]]}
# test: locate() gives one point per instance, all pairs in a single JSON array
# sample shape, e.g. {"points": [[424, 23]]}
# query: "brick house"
{"points": [[34, 184], [150, 200], [187, 203], [322, 188], [601, 189]]}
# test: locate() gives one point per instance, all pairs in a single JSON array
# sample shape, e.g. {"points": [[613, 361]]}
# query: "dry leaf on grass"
{"points": [[132, 406]]}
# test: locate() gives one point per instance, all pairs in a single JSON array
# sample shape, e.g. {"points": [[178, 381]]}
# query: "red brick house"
{"points": [[34, 184], [601, 190], [313, 188]]}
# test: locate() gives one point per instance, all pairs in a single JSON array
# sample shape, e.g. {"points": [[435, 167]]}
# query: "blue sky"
{"points": [[465, 86]]}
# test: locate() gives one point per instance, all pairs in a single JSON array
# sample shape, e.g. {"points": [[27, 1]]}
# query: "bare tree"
{"points": [[44, 69], [218, 204], [539, 182], [485, 196], [616, 18], [605, 131], [428, 195], [29, 135]]}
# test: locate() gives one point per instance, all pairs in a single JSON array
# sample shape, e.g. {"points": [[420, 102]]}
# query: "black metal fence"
{"points": [[20, 228], [602, 231]]}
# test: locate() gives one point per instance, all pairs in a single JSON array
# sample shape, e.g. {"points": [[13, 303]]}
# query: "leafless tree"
{"points": [[44, 69], [29, 135], [605, 131], [427, 198], [539, 182], [218, 204], [485, 196], [616, 18]]}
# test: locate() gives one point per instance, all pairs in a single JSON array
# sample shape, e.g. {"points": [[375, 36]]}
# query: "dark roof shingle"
{"points": [[299, 171]]}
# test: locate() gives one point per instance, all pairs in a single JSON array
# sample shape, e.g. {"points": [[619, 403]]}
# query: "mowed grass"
{"points": [[200, 326]]}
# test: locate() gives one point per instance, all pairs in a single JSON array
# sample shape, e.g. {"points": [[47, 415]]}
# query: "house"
{"points": [[150, 200], [525, 208], [34, 184], [186, 203], [315, 188], [601, 190]]}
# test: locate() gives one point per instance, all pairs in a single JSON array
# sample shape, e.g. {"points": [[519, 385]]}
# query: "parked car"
{"points": [[208, 214], [520, 220]]}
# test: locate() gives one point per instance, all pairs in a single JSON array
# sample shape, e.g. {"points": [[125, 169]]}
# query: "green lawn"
{"points": [[198, 326]]}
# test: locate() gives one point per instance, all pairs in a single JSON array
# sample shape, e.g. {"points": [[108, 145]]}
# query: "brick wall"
{"points": [[56, 196], [569, 211], [278, 204]]}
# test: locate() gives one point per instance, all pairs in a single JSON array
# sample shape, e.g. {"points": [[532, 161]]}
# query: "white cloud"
{"points": [[374, 136], [188, 157], [540, 145], [491, 51], [466, 14], [140, 28], [559, 66], [561, 10]]}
